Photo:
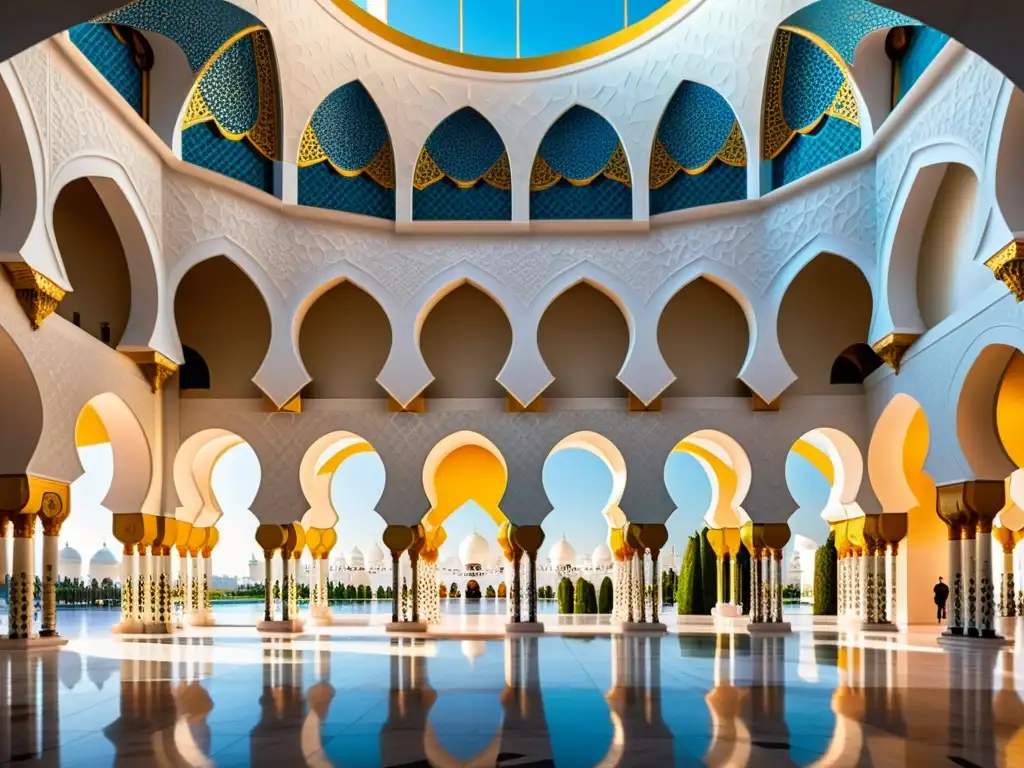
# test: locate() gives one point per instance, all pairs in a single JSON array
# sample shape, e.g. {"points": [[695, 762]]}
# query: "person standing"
{"points": [[941, 596]]}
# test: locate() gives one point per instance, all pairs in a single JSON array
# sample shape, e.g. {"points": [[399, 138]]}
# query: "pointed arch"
{"points": [[699, 155], [581, 170], [132, 457], [346, 161], [463, 171]]}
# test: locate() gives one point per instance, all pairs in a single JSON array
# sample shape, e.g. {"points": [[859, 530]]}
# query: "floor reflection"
{"points": [[809, 699]]}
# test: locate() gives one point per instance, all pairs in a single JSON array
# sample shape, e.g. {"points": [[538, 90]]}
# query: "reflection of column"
{"points": [[21, 596], [51, 529]]}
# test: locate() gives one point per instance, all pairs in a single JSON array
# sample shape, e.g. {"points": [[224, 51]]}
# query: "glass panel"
{"points": [[550, 26], [641, 9], [435, 22], [489, 27]]}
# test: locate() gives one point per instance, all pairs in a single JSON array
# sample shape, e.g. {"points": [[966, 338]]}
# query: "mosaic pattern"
{"points": [[720, 183], [321, 186], [925, 44], [199, 27], [695, 126], [844, 23], [112, 59], [579, 144], [446, 201], [204, 145], [230, 88], [347, 129], [601, 199], [833, 140], [811, 82], [465, 146]]}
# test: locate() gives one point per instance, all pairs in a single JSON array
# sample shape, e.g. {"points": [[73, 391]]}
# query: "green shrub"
{"points": [[580, 596], [606, 598], [565, 596], [826, 576], [690, 596], [350, 592], [591, 601], [490, 592], [381, 594]]}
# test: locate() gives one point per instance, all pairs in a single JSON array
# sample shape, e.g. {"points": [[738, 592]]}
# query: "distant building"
{"points": [[103, 565], [69, 564]]}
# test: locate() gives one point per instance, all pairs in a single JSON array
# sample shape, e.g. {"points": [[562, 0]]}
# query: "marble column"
{"points": [[183, 585], [656, 592], [736, 578], [640, 562], [414, 564], [325, 565], [127, 585], [986, 590], [268, 585], [207, 606], [868, 589], [48, 581], [756, 616], [863, 559], [767, 586], [1009, 590], [286, 576], [969, 559], [196, 603], [5, 565], [531, 589], [293, 586], [21, 595], [517, 585], [890, 567], [778, 585], [955, 610], [881, 592], [719, 579], [395, 596]]}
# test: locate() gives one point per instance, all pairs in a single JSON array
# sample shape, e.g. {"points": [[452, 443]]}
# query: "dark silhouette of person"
{"points": [[941, 596]]}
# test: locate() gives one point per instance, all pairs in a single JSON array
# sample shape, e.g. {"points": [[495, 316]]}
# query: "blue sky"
{"points": [[577, 484]]}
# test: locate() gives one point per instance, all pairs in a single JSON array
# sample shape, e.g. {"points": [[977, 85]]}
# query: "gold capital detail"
{"points": [[891, 348], [1008, 265], [37, 294], [155, 367]]}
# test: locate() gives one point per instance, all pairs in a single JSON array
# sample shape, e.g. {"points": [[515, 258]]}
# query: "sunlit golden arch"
{"points": [[727, 468]]}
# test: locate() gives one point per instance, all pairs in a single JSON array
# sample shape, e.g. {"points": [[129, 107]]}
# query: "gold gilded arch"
{"points": [[816, 457]]}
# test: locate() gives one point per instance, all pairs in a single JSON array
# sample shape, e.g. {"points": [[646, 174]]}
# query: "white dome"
{"points": [[602, 556], [562, 555], [355, 558], [474, 551], [103, 557], [802, 542], [70, 556], [375, 556]]}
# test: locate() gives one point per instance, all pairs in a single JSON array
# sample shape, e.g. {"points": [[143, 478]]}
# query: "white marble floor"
{"points": [[352, 697]]}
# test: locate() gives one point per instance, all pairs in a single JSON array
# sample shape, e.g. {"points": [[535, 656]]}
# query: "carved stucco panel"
{"points": [[32, 67]]}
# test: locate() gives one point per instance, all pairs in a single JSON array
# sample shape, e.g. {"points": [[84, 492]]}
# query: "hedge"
{"points": [[826, 577], [565, 596], [606, 598], [690, 596]]}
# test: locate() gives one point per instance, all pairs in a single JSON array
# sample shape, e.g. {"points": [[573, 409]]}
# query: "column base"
{"points": [[33, 643], [726, 611], [280, 626], [769, 628], [951, 641], [133, 627], [859, 625], [202, 620], [524, 628], [642, 628], [406, 626], [698, 620], [321, 619]]}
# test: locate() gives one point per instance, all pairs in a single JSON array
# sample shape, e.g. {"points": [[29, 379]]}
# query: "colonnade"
{"points": [[289, 540], [867, 548], [969, 509], [765, 543], [37, 502]]}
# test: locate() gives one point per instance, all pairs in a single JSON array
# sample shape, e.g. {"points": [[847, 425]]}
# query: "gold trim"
{"points": [[156, 368], [382, 168], [893, 347], [543, 176], [1008, 265], [311, 151], [197, 110], [499, 175], [427, 171], [509, 66], [617, 167], [664, 167], [37, 294], [734, 150]]}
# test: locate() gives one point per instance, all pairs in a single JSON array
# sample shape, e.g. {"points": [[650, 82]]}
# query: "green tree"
{"points": [[565, 596], [708, 572], [490, 592], [826, 576], [277, 590], [690, 595], [580, 596], [388, 594], [606, 598], [350, 592], [381, 595], [591, 601]]}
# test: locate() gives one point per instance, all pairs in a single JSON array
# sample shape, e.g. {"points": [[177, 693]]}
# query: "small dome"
{"points": [[473, 550], [602, 556], [355, 558], [70, 556], [802, 542], [562, 555], [375, 556], [104, 557]]}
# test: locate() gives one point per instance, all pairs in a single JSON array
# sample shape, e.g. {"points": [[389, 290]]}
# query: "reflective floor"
{"points": [[231, 699]]}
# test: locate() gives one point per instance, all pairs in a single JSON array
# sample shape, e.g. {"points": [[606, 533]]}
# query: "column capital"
{"points": [[37, 294], [24, 526], [529, 538], [970, 506], [1007, 265]]}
